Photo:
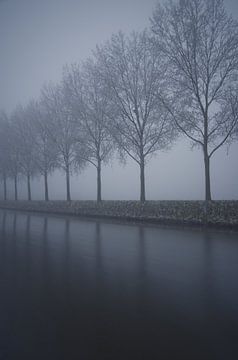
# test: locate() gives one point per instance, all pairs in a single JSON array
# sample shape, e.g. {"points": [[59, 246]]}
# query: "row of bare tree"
{"points": [[135, 95]]}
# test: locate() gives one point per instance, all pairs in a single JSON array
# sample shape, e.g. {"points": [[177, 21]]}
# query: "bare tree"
{"points": [[14, 156], [47, 153], [89, 103], [4, 151], [9, 153], [134, 74], [61, 129], [200, 42], [231, 110], [22, 123]]}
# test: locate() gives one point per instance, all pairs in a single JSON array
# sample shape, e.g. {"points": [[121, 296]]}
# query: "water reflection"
{"points": [[3, 219], [98, 250], [66, 257], [141, 251], [14, 226], [95, 290]]}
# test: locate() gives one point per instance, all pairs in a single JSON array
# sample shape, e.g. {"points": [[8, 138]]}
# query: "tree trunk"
{"points": [[5, 186], [68, 184], [15, 188], [99, 184], [207, 176], [29, 186], [142, 180], [46, 186]]}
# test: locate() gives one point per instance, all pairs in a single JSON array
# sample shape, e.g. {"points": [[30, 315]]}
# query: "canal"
{"points": [[90, 289]]}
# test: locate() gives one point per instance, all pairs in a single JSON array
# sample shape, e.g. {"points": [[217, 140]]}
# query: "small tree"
{"points": [[14, 156], [4, 151], [135, 75], [25, 138], [89, 103], [47, 153], [61, 129], [231, 110], [200, 43]]}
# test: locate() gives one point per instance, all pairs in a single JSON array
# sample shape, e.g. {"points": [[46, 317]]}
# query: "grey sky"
{"points": [[37, 37]]}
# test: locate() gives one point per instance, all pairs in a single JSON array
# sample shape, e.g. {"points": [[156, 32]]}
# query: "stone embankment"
{"points": [[198, 213]]}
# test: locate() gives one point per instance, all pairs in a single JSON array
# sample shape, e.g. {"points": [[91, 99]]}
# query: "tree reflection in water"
{"points": [[74, 288]]}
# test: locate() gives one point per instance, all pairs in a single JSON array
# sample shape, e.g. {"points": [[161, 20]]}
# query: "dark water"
{"points": [[77, 289]]}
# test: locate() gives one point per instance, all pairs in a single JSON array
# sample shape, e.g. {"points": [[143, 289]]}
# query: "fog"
{"points": [[37, 38]]}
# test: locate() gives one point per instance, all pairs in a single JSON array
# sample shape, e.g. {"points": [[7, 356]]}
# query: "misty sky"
{"points": [[37, 37]]}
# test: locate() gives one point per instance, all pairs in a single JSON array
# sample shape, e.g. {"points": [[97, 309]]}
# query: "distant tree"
{"points": [[231, 110], [135, 75], [61, 129], [89, 103], [25, 137], [47, 153], [4, 151], [14, 156], [200, 42]]}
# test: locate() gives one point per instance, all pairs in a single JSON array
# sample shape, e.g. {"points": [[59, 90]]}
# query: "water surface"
{"points": [[87, 289]]}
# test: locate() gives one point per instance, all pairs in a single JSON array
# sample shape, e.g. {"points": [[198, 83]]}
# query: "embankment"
{"points": [[191, 213]]}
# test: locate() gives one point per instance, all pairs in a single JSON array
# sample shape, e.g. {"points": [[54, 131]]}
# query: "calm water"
{"points": [[78, 289]]}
